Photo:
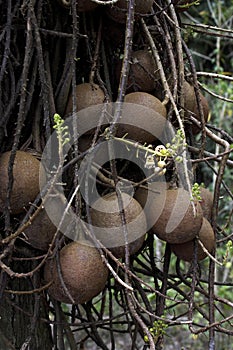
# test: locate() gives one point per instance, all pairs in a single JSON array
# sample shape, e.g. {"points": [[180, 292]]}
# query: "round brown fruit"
{"points": [[146, 195], [26, 181], [87, 95], [185, 251], [197, 115], [141, 195], [108, 227], [147, 100], [140, 123], [191, 105], [83, 272], [189, 98], [177, 222], [143, 71], [206, 202], [133, 247], [41, 231]]}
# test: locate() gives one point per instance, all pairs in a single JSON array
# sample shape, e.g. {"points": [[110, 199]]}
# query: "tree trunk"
{"points": [[23, 317]]}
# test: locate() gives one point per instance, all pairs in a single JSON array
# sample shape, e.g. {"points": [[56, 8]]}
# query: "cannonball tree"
{"points": [[125, 239]]}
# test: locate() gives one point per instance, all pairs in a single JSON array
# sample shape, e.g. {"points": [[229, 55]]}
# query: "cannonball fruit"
{"points": [[87, 95], [142, 128], [191, 105], [41, 231], [26, 180], [185, 251], [83, 272], [141, 195], [189, 97], [133, 248], [143, 71], [147, 100], [108, 227], [206, 202], [147, 195], [197, 115], [177, 221], [143, 118]]}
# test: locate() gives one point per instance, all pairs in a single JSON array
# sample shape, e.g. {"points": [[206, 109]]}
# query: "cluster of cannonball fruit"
{"points": [[81, 273], [177, 220], [82, 268], [26, 173]]}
